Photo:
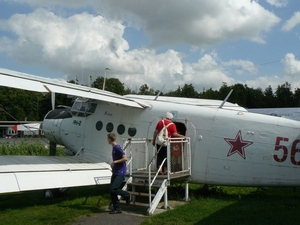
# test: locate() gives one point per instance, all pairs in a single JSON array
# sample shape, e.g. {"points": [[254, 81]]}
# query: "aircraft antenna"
{"points": [[221, 106], [158, 94]]}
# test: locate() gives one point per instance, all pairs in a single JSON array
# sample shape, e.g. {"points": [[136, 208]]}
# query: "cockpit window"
{"points": [[83, 108], [60, 113]]}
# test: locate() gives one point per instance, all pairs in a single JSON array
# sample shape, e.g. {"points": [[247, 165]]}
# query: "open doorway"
{"points": [[181, 128]]}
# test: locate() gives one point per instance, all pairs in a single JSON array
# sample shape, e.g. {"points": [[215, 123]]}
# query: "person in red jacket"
{"points": [[172, 132]]}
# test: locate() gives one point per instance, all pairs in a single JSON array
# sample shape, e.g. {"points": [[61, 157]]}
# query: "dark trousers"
{"points": [[115, 190], [161, 155]]}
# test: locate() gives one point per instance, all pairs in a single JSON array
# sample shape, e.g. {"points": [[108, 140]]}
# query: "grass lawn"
{"points": [[236, 205], [33, 208], [213, 205]]}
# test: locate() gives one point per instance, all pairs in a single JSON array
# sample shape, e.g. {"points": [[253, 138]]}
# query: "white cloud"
{"points": [[242, 66], [292, 71], [151, 68], [206, 73], [291, 65], [278, 3], [265, 81], [200, 22], [82, 40], [292, 22], [167, 69], [88, 43], [52, 3], [274, 81]]}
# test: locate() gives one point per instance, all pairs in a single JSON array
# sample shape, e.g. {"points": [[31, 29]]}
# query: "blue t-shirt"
{"points": [[119, 168]]}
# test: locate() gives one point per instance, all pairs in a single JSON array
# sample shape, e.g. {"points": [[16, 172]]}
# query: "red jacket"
{"points": [[171, 129]]}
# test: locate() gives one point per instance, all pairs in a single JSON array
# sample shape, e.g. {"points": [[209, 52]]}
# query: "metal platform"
{"points": [[143, 171]]}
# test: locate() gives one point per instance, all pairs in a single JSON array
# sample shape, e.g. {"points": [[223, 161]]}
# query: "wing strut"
{"points": [[158, 94], [53, 100], [225, 99]]}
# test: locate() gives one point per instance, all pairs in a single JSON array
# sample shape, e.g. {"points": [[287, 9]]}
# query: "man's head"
{"points": [[169, 115], [111, 137]]}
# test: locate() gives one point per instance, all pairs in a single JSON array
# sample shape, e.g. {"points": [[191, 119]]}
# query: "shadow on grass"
{"points": [[21, 200], [234, 206], [257, 208]]}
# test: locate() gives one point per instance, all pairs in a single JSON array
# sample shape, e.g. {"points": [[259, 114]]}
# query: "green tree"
{"points": [[239, 95], [254, 98], [224, 91], [269, 98], [297, 97], [176, 93], [145, 90], [19, 104], [114, 85], [188, 91], [98, 83], [284, 95], [111, 84], [210, 94]]}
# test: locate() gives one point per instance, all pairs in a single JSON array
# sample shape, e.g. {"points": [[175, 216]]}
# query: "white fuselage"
{"points": [[228, 146]]}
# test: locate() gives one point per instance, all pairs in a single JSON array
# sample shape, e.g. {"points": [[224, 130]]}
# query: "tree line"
{"points": [[19, 105]]}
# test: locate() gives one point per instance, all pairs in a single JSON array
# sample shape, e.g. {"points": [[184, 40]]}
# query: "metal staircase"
{"points": [[143, 179]]}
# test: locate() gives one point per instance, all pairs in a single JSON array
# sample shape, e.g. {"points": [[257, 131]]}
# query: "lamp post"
{"points": [[104, 78]]}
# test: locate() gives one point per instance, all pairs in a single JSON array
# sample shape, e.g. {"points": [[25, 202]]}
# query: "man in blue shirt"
{"points": [[119, 171]]}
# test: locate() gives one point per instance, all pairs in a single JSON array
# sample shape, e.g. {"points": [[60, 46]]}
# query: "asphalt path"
{"points": [[108, 219], [131, 215]]}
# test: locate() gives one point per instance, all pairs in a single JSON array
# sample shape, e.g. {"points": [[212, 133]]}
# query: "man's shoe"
{"points": [[115, 211], [128, 200]]}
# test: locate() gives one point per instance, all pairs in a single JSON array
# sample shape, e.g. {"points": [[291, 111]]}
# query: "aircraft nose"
{"points": [[52, 124]]}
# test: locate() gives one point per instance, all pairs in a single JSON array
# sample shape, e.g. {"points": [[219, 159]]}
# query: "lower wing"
{"points": [[24, 173]]}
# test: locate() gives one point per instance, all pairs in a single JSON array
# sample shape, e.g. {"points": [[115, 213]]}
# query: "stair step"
{"points": [[140, 194], [144, 184], [136, 203], [140, 204], [137, 180], [145, 176]]}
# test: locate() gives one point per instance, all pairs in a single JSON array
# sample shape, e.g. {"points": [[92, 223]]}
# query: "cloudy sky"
{"points": [[155, 42]]}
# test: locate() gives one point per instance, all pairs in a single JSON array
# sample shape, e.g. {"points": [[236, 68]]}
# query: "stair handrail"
{"points": [[125, 145], [150, 183], [154, 178], [151, 161], [149, 167]]}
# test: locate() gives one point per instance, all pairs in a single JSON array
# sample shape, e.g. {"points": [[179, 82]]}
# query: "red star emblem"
{"points": [[237, 145]]}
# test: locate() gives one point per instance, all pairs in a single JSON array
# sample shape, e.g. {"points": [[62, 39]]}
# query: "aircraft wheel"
{"points": [[55, 193]]}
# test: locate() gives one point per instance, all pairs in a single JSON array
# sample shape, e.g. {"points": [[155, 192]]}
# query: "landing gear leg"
{"points": [[52, 148]]}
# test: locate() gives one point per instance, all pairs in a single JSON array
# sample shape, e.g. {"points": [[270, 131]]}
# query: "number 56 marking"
{"points": [[284, 149]]}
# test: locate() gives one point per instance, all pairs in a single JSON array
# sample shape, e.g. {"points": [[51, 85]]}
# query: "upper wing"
{"points": [[190, 101], [23, 173], [290, 113], [9, 78]]}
